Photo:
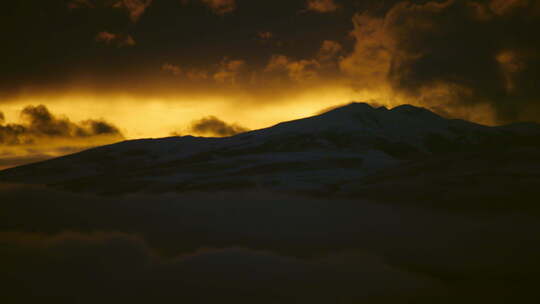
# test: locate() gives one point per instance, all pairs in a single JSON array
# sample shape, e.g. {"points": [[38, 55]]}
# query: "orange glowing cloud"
{"points": [[80, 4], [171, 68], [372, 55], [322, 6], [135, 8], [229, 71], [511, 64], [265, 35], [502, 7], [119, 40], [309, 69], [221, 7], [297, 70], [329, 50]]}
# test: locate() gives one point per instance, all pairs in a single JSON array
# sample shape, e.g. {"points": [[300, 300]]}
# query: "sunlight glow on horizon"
{"points": [[155, 117]]}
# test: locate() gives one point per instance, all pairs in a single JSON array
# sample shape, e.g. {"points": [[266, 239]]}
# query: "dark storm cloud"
{"points": [[441, 54], [53, 44], [39, 124], [456, 53], [214, 126], [100, 127]]}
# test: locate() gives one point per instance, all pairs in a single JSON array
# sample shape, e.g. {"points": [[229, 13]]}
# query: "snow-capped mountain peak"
{"points": [[312, 154]]}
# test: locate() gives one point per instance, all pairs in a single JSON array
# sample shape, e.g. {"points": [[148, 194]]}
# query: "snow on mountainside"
{"points": [[316, 154]]}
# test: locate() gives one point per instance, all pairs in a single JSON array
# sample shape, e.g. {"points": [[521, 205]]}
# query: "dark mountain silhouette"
{"points": [[355, 150]]}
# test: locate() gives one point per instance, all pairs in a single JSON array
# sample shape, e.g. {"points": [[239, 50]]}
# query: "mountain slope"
{"points": [[319, 154]]}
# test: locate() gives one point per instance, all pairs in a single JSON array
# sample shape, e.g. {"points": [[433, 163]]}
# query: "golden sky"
{"points": [[152, 68]]}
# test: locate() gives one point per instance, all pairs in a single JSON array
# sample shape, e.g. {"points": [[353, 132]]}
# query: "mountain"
{"points": [[354, 150]]}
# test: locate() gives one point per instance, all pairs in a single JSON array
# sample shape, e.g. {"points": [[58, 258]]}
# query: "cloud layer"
{"points": [[118, 40], [221, 7], [38, 124], [213, 126], [41, 135], [257, 247], [133, 272], [134, 8], [453, 54], [322, 6]]}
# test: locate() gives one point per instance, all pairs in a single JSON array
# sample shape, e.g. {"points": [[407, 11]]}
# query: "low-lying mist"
{"points": [[257, 247]]}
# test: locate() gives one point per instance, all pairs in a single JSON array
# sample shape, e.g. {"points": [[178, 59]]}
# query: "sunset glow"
{"points": [[269, 151], [151, 69]]}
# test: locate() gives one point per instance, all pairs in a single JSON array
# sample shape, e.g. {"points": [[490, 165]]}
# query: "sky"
{"points": [[80, 73]]}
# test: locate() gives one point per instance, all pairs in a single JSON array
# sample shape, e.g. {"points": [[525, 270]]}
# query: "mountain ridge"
{"points": [[314, 154]]}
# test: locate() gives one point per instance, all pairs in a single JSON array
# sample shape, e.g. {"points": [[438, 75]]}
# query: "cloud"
{"points": [[119, 40], [40, 135], [237, 73], [266, 35], [172, 69], [511, 64], [229, 71], [106, 267], [454, 54], [324, 62], [269, 38], [134, 8], [221, 7], [503, 7], [215, 127], [297, 70], [197, 75], [75, 4], [322, 6], [99, 127], [329, 50], [40, 125], [371, 59], [256, 248], [379, 62]]}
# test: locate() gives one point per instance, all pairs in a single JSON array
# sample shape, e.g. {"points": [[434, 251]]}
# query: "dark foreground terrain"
{"points": [[357, 205]]}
